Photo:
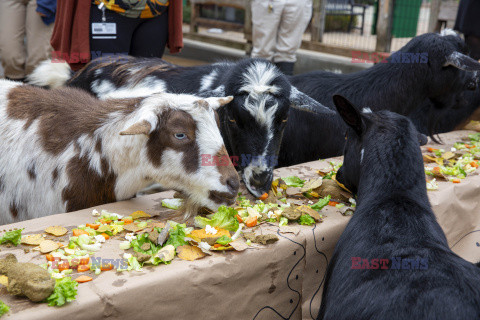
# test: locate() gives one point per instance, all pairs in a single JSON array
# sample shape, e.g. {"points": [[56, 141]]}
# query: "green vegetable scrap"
{"points": [[293, 181], [3, 308], [224, 240], [321, 203], [224, 218], [141, 242], [306, 220], [174, 204], [13, 237], [65, 291], [133, 263], [283, 221], [177, 235]]}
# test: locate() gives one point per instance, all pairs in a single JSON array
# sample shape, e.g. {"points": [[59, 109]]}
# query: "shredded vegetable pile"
{"points": [[454, 165]]}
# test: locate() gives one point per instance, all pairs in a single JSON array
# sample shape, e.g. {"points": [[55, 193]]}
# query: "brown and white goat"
{"points": [[64, 150]]}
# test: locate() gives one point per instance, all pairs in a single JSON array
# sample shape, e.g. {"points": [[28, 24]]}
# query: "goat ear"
{"points": [[349, 113], [216, 103], [422, 139], [142, 127], [218, 92], [303, 102], [462, 62]]}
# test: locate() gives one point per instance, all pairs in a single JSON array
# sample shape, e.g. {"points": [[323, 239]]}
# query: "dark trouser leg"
{"points": [[473, 43], [150, 37], [109, 44]]}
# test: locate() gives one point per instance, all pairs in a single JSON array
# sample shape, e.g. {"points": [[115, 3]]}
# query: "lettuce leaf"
{"points": [[65, 291], [14, 237], [321, 203], [224, 218], [140, 240], [305, 219], [3, 308], [224, 240], [174, 203], [293, 181], [177, 235]]}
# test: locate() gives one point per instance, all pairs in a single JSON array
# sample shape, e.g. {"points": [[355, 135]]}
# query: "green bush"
{"points": [[339, 23]]}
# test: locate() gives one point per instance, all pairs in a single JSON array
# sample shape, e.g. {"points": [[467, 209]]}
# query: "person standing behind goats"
{"points": [[278, 27], [26, 27]]}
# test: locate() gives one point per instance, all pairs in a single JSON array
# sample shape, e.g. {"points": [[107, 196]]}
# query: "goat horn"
{"points": [[303, 102], [462, 62]]}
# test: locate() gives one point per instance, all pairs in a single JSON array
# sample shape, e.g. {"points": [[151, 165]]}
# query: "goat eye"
{"points": [[180, 136], [346, 136], [232, 120], [284, 120]]}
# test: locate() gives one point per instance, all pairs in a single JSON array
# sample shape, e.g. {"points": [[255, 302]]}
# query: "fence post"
{"points": [[384, 25], [247, 27], [434, 11], [318, 20]]}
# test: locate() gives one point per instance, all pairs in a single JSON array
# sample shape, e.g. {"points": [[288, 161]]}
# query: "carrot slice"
{"points": [[106, 266], [474, 164], [49, 257], [430, 149], [252, 222], [239, 218], [93, 226], [106, 236], [83, 268], [332, 203], [63, 265], [217, 245], [83, 279], [127, 220], [77, 232], [263, 196], [84, 261], [456, 180]]}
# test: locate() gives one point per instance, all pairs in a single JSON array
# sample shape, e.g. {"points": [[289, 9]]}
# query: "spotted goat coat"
{"points": [[64, 150]]}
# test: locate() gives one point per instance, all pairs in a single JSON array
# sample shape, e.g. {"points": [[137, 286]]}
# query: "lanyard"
{"points": [[101, 6]]}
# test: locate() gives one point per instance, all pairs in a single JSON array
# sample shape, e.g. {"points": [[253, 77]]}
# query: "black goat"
{"points": [[430, 66], [448, 119], [392, 261], [252, 124]]}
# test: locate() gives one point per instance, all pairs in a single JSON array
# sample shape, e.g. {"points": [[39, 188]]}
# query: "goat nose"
{"points": [[233, 184]]}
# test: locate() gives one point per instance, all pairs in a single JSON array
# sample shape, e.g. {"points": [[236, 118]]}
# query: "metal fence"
{"points": [[410, 18], [338, 26]]}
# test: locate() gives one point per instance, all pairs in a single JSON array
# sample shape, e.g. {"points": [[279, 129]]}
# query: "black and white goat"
{"points": [[65, 150], [252, 124], [393, 260], [430, 67]]}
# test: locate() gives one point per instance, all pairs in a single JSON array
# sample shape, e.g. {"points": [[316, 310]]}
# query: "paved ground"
{"points": [[353, 40]]}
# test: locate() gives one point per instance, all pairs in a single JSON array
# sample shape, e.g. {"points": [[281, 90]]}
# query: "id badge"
{"points": [[104, 30]]}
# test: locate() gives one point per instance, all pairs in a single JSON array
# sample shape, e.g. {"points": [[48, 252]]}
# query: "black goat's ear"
{"points": [[349, 113], [461, 61], [422, 139]]}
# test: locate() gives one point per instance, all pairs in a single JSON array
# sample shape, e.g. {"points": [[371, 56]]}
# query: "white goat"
{"points": [[64, 150]]}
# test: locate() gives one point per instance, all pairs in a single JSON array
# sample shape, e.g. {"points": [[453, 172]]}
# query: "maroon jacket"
{"points": [[70, 39]]}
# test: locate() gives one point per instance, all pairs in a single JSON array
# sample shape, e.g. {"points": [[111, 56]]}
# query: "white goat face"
{"points": [[182, 132]]}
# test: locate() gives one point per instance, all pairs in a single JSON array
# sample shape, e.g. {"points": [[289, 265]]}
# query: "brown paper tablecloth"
{"points": [[279, 281]]}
